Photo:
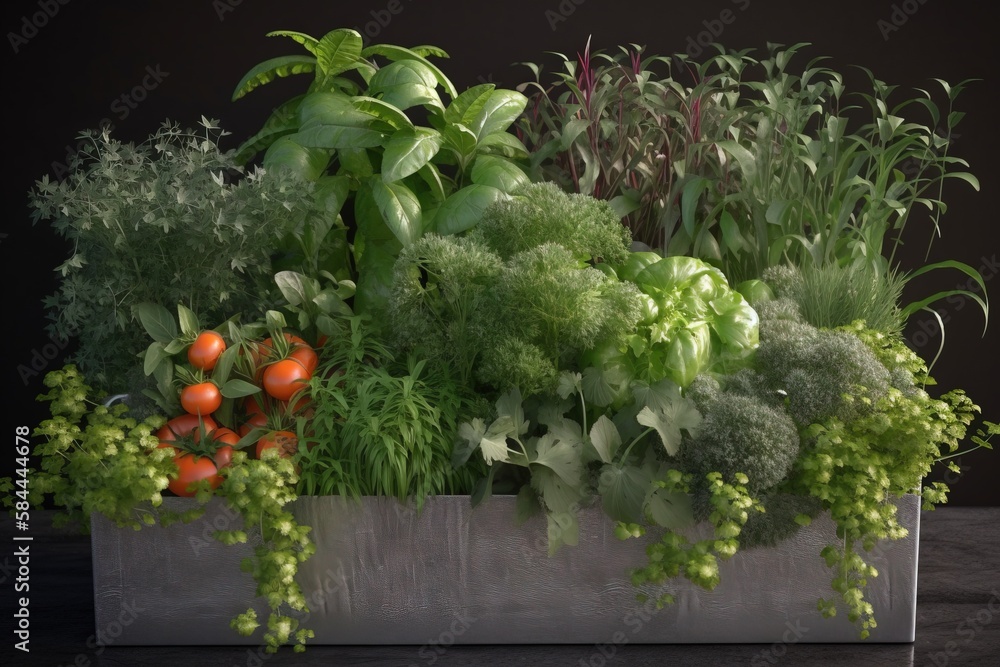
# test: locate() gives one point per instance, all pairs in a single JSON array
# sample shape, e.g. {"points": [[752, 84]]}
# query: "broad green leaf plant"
{"points": [[391, 141]]}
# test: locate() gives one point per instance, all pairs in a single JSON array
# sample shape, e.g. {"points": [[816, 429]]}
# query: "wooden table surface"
{"points": [[958, 617]]}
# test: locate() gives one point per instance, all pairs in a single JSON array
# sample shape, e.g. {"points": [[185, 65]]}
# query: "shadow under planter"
{"points": [[384, 573]]}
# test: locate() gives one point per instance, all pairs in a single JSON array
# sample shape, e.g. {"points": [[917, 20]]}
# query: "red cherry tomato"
{"points": [[204, 353], [203, 398], [192, 469], [283, 379], [184, 425]]}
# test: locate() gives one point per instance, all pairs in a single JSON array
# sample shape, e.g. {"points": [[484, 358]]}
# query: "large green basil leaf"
{"points": [[499, 112], [408, 151], [400, 210], [464, 209], [330, 120]]}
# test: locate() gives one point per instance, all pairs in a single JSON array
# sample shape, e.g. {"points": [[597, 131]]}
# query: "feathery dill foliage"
{"points": [[170, 220], [439, 285], [382, 427], [542, 213], [513, 303], [831, 296]]}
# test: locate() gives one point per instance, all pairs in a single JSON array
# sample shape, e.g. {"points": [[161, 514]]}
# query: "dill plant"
{"points": [[173, 219]]}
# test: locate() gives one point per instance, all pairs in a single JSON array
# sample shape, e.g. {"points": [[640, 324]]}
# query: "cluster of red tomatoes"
{"points": [[281, 370]]}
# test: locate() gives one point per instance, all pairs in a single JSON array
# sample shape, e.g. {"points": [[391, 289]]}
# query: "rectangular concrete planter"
{"points": [[385, 574]]}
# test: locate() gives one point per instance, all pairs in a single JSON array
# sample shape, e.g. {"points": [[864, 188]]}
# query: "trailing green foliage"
{"points": [[674, 554], [162, 222], [856, 467], [574, 450], [97, 459], [111, 464], [259, 491], [380, 427]]}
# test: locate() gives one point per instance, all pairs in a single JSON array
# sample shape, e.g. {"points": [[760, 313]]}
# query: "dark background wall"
{"points": [[67, 64]]}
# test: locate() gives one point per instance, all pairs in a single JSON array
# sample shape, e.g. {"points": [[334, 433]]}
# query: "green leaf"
{"points": [[561, 458], [527, 505], [461, 140], [501, 109], [292, 286], [224, 366], [504, 144], [157, 321], [400, 210], [307, 163], [470, 434], [383, 111], [563, 528], [332, 193], [271, 69], [498, 172], [959, 266], [743, 157], [305, 40], [673, 511], [175, 346], [404, 55], [338, 51], [668, 422], [464, 108], [239, 389], [155, 354], [690, 196], [330, 120], [623, 492], [464, 209], [283, 121], [405, 84], [605, 438], [188, 320], [483, 488], [408, 151]]}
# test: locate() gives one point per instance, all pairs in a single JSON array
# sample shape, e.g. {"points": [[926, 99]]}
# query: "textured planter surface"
{"points": [[385, 574]]}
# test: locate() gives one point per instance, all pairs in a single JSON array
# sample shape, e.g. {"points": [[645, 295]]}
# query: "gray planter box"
{"points": [[384, 574]]}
